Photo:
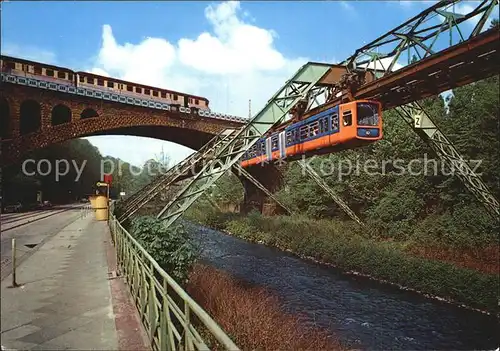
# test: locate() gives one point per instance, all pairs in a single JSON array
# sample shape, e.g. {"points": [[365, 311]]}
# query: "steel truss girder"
{"points": [[148, 192], [225, 156], [316, 177], [420, 121], [237, 168], [212, 202], [418, 32]]}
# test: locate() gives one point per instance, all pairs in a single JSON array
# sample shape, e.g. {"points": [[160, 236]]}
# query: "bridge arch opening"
{"points": [[30, 117], [61, 114], [4, 119], [89, 113]]}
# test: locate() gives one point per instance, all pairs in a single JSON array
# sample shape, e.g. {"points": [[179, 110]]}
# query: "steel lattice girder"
{"points": [[174, 174], [418, 37], [240, 170], [421, 122], [182, 170], [315, 176], [472, 60], [225, 156]]}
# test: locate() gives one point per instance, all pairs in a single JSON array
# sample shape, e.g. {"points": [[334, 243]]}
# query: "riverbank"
{"points": [[251, 315], [390, 261]]}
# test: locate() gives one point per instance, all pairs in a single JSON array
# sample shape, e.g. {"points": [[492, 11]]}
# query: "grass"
{"points": [[350, 248], [252, 316]]}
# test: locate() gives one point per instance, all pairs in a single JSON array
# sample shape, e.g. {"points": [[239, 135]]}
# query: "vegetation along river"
{"points": [[360, 312]]}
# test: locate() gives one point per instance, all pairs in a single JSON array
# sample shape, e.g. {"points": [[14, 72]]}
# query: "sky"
{"points": [[229, 52]]}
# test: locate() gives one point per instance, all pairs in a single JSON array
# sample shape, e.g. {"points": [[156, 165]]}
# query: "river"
{"points": [[362, 313]]}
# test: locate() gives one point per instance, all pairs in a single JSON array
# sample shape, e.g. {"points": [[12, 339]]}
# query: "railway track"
{"points": [[19, 221], [20, 216]]}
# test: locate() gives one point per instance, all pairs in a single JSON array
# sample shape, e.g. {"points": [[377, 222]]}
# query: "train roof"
{"points": [[59, 68], [28, 62], [141, 85]]}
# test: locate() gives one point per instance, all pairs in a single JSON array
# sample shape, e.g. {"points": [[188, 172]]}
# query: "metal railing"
{"points": [[171, 318]]}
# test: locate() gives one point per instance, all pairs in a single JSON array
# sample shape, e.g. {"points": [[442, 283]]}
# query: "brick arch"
{"points": [[114, 118], [30, 117], [5, 118], [192, 135], [60, 114]]}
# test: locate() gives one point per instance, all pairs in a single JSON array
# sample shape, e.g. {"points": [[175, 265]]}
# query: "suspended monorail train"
{"points": [[344, 126]]}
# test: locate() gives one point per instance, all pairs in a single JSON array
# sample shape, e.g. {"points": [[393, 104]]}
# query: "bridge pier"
{"points": [[270, 176]]}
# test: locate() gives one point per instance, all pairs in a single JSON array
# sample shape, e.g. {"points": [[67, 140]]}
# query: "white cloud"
{"points": [[234, 62], [29, 53]]}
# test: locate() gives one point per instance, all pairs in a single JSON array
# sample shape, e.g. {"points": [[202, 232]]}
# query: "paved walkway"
{"points": [[66, 299]]}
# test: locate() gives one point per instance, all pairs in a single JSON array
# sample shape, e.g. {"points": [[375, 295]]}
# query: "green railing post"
{"points": [[139, 269]]}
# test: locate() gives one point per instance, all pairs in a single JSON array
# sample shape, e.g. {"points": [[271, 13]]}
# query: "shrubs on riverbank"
{"points": [[348, 247], [251, 315], [171, 247]]}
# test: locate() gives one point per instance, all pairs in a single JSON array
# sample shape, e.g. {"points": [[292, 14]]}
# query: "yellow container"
{"points": [[101, 206], [93, 199]]}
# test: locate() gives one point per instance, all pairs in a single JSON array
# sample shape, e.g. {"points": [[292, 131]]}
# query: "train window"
{"points": [[335, 121], [304, 131], [367, 114], [100, 82], [129, 88], [163, 94], [314, 128], [138, 90], [120, 86], [274, 143], [38, 69], [175, 97], [347, 118], [155, 93], [110, 84], [90, 80], [147, 91], [82, 79], [323, 125], [70, 76], [49, 72], [11, 65], [61, 75], [197, 102]]}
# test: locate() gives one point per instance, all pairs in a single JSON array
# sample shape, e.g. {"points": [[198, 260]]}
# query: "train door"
{"points": [[269, 150], [282, 144], [347, 125]]}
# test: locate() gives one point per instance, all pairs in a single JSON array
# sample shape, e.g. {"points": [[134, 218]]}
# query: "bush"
{"points": [[252, 316], [170, 247]]}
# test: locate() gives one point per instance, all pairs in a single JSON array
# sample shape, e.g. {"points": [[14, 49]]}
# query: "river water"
{"points": [[362, 313]]}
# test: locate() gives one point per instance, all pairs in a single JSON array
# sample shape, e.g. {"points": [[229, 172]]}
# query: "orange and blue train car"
{"points": [[344, 126]]}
